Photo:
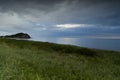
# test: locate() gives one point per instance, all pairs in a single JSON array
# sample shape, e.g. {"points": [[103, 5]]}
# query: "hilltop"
{"points": [[30, 60], [18, 35]]}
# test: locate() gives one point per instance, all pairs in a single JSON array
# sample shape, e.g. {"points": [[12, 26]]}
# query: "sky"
{"points": [[60, 17]]}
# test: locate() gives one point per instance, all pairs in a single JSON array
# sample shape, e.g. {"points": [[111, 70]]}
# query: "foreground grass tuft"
{"points": [[28, 60]]}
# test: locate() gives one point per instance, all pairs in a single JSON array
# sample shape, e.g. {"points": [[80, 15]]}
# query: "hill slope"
{"points": [[28, 60]]}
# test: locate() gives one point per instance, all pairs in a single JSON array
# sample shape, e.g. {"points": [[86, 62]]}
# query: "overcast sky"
{"points": [[60, 17]]}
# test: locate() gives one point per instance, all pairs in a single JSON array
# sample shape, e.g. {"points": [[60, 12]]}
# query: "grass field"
{"points": [[29, 60]]}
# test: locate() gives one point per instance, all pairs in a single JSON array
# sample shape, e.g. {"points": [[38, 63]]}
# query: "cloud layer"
{"points": [[39, 17]]}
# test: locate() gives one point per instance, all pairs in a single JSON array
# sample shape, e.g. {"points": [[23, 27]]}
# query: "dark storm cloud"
{"points": [[20, 5], [33, 14], [81, 11]]}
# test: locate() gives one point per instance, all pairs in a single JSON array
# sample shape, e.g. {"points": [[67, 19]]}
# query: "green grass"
{"points": [[29, 60]]}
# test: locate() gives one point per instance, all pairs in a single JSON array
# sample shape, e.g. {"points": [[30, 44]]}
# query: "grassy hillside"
{"points": [[28, 60]]}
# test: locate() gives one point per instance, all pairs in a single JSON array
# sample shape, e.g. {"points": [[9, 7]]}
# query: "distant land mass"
{"points": [[18, 35]]}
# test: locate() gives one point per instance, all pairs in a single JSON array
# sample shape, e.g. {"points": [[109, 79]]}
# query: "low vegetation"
{"points": [[29, 60]]}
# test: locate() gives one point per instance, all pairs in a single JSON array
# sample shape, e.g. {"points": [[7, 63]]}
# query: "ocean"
{"points": [[90, 42]]}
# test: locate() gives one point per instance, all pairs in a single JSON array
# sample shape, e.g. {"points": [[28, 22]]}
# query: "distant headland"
{"points": [[18, 35]]}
